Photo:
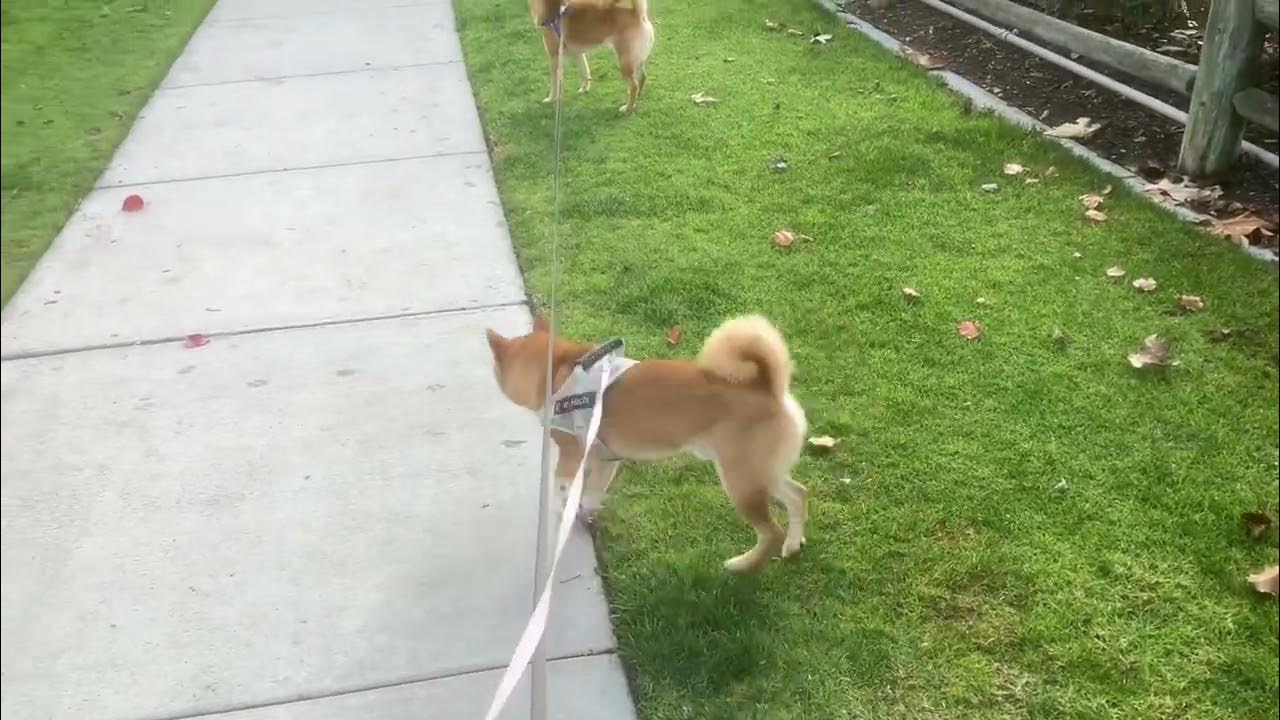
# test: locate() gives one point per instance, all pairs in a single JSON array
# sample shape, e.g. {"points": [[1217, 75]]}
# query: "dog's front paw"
{"points": [[584, 88], [626, 109], [547, 100], [792, 546]]}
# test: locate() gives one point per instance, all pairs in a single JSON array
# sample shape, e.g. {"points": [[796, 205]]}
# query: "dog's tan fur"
{"points": [[732, 406], [588, 24]]}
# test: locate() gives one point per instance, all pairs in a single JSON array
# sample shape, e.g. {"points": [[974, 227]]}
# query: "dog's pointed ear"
{"points": [[497, 343], [541, 323]]}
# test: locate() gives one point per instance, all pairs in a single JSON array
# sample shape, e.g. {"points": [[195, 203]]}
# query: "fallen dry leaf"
{"points": [[1266, 581], [911, 294], [674, 335], [1183, 192], [1191, 303], [1145, 284], [784, 238], [701, 99], [1092, 200], [195, 340], [772, 26], [835, 155], [793, 31], [968, 329], [1256, 524], [1154, 351], [1115, 271], [1051, 171], [1082, 129], [778, 164], [1218, 334], [1241, 227], [928, 62], [1059, 338], [822, 39], [132, 203], [1030, 181], [1095, 215], [990, 187], [1013, 169], [1077, 255], [823, 442]]}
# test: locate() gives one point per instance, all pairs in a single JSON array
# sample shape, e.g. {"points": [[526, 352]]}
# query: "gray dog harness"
{"points": [[577, 397]]}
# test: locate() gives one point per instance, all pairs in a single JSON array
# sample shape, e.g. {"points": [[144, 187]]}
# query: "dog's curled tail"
{"points": [[748, 349]]}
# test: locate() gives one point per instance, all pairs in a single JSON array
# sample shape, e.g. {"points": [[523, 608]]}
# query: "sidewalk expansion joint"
{"points": [[325, 166], [274, 78], [462, 310], [432, 677]]}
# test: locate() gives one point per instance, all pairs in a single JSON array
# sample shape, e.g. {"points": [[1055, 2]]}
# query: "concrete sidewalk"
{"points": [[328, 511]]}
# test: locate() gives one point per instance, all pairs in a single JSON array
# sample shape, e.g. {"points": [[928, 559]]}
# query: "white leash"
{"points": [[530, 647], [531, 638]]}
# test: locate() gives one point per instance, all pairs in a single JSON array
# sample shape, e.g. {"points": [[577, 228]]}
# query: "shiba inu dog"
{"points": [[732, 405]]}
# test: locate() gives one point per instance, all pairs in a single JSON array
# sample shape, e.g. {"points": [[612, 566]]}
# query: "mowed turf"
{"points": [[76, 72], [1008, 528]]}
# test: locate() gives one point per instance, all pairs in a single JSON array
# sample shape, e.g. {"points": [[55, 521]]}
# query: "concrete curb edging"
{"points": [[983, 99]]}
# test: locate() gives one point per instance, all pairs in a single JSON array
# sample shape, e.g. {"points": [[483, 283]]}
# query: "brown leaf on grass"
{"points": [[1154, 352], [1013, 169], [1095, 216], [1191, 303], [924, 60], [1091, 201], [1082, 129], [911, 294], [1145, 284], [1255, 524], [702, 99], [1059, 338], [823, 442], [1242, 227], [784, 238], [968, 329], [1266, 581], [1115, 271], [1218, 334], [1183, 192], [674, 335]]}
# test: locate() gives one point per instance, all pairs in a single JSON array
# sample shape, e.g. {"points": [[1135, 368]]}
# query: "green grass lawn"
{"points": [[1007, 529], [76, 72]]}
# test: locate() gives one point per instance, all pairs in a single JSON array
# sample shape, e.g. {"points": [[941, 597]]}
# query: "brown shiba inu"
{"points": [[588, 24], [732, 406]]}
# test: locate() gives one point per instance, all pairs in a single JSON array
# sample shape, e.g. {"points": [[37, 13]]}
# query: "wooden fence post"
{"points": [[1232, 44]]}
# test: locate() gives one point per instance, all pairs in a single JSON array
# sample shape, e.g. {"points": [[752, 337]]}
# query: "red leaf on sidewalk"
{"points": [[195, 340], [133, 203]]}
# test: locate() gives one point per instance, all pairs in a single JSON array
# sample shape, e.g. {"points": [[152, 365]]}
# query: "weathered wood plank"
{"points": [[1258, 106], [1232, 42], [1131, 59], [1267, 12]]}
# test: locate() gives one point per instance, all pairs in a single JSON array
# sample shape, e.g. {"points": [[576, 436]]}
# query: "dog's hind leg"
{"points": [[584, 73], [795, 498], [750, 495]]}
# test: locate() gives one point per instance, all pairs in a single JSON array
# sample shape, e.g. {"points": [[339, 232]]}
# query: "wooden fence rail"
{"points": [[1141, 63]]}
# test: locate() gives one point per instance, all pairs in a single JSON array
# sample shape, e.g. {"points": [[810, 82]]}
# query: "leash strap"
{"points": [[537, 625]]}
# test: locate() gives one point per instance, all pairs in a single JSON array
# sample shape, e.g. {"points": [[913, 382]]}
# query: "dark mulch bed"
{"points": [[1131, 135]]}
